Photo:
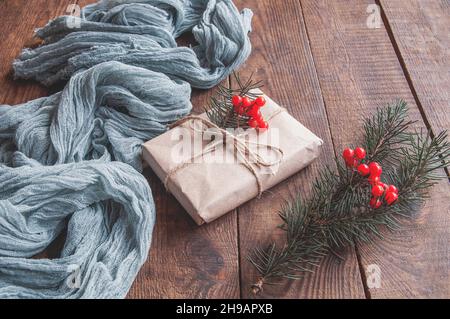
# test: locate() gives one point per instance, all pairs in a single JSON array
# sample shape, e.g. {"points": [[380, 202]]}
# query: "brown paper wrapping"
{"points": [[208, 190]]}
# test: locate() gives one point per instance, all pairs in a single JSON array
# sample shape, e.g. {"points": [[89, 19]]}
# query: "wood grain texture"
{"points": [[188, 261], [358, 70], [420, 29], [348, 71], [282, 59]]}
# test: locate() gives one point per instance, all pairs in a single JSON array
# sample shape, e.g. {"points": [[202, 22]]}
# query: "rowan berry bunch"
{"points": [[238, 106], [245, 106], [354, 159]]}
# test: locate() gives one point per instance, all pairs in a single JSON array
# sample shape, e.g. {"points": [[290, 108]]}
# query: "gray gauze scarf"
{"points": [[71, 161]]}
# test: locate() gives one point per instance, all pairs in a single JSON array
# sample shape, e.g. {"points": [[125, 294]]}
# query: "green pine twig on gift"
{"points": [[337, 214], [221, 111]]}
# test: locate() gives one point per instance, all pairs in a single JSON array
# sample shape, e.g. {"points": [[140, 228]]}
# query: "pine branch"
{"points": [[386, 132], [337, 214]]}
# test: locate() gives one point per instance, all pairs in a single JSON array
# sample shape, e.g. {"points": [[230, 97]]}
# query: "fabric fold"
{"points": [[143, 33]]}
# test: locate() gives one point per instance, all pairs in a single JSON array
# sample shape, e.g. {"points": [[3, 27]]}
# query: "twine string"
{"points": [[247, 156]]}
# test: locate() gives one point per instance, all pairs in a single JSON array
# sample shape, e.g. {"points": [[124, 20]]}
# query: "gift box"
{"points": [[211, 171]]}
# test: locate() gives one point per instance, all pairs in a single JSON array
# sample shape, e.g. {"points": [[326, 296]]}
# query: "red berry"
{"points": [[391, 197], [375, 169], [363, 169], [382, 185], [377, 190], [253, 123], [263, 125], [260, 101], [348, 153], [238, 109], [254, 112], [360, 153], [375, 202], [236, 100], [392, 189], [374, 180], [258, 116], [351, 162], [246, 102]]}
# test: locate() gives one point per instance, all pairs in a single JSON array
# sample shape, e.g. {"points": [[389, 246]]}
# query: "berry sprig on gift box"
{"points": [[244, 106], [237, 106], [352, 203]]}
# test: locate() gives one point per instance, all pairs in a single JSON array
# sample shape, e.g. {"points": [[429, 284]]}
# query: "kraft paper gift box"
{"points": [[210, 185]]}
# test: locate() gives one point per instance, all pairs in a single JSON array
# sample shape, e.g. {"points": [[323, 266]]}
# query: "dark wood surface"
{"points": [[359, 70], [283, 59], [324, 63]]}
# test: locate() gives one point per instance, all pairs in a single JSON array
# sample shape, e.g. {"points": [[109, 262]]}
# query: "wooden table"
{"points": [[330, 63]]}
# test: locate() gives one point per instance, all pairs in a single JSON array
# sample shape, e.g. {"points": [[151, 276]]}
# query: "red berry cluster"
{"points": [[251, 108], [353, 159]]}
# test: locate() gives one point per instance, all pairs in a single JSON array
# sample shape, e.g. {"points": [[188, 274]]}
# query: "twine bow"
{"points": [[241, 146]]}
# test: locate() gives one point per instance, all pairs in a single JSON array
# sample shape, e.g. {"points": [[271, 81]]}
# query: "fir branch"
{"points": [[386, 131], [337, 214]]}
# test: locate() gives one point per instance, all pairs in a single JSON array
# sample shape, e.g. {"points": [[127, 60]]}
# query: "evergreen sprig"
{"points": [[221, 111], [337, 214]]}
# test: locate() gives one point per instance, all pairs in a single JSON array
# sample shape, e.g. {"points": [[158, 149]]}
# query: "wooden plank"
{"points": [[188, 261], [420, 29], [282, 59], [359, 70], [19, 19]]}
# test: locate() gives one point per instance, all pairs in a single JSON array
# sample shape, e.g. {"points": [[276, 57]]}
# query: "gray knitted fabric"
{"points": [[72, 160]]}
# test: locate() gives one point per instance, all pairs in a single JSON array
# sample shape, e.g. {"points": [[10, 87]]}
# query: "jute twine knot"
{"points": [[240, 145]]}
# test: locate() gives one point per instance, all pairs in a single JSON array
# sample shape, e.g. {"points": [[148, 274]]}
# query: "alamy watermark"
{"points": [[73, 281], [373, 275], [374, 19], [237, 146], [73, 20]]}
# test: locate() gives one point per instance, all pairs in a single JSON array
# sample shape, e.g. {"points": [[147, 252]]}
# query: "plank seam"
{"points": [[406, 73], [357, 253], [391, 35], [238, 238], [317, 77], [362, 273]]}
